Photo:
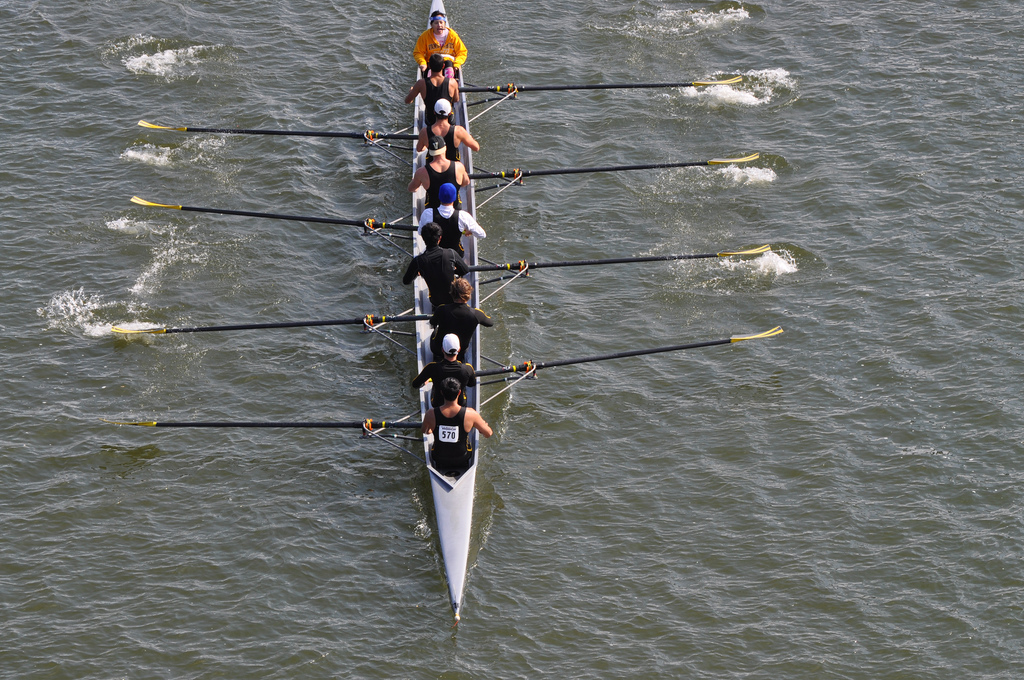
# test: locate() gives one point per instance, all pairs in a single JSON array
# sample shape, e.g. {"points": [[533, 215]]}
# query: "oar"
{"points": [[536, 365], [364, 424], [512, 87], [368, 320], [516, 173], [370, 223], [522, 264], [368, 135]]}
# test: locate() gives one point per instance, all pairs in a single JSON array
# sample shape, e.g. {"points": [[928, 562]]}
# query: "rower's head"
{"points": [[438, 21], [451, 346], [436, 147], [450, 389], [435, 63], [447, 193], [461, 290], [431, 233], [443, 109]]}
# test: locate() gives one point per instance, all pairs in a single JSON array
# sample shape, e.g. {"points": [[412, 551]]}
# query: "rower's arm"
{"points": [[416, 89], [417, 180], [480, 424], [464, 137]]}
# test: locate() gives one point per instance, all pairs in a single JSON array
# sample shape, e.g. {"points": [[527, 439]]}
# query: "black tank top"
{"points": [[436, 180], [431, 94], [451, 235], [451, 152], [451, 451]]}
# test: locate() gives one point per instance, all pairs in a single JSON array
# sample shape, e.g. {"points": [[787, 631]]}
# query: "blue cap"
{"points": [[447, 193]]}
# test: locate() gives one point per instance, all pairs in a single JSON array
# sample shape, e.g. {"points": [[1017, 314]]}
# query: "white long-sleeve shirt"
{"points": [[467, 223]]}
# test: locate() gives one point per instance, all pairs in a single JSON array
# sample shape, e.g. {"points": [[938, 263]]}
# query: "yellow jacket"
{"points": [[426, 46]]}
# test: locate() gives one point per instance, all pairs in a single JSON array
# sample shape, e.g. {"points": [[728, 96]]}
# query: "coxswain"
{"points": [[454, 135], [434, 88], [438, 170], [458, 318], [453, 221], [439, 39], [452, 452], [438, 266], [451, 367]]}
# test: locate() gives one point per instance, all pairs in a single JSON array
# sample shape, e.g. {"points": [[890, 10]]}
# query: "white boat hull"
{"points": [[453, 498]]}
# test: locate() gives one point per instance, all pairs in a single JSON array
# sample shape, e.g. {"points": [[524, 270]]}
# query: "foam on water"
{"points": [[682, 22], [773, 263], [127, 225], [171, 254], [149, 154], [173, 63], [75, 309], [747, 175], [758, 87]]}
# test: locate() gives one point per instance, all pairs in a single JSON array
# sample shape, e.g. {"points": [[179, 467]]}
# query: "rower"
{"points": [[451, 367], [445, 127], [453, 221], [438, 266], [439, 39], [458, 318], [434, 88], [452, 453], [438, 170]]}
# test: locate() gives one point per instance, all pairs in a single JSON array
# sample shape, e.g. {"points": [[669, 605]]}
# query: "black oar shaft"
{"points": [[301, 324], [511, 174], [299, 133], [322, 425], [549, 88], [527, 366], [515, 266], [276, 216]]}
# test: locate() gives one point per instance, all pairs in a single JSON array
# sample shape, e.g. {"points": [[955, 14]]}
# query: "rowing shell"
{"points": [[453, 498]]}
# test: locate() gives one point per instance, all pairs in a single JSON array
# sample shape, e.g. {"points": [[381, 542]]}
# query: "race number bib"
{"points": [[448, 433]]}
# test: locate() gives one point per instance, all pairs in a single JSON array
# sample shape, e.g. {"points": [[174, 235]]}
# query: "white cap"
{"points": [[451, 344], [443, 107]]}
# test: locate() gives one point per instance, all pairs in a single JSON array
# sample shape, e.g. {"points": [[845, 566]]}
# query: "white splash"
{"points": [[75, 309], [168, 63], [127, 225], [702, 19], [757, 88], [148, 154], [727, 95], [773, 78], [773, 263], [171, 255], [748, 175]]}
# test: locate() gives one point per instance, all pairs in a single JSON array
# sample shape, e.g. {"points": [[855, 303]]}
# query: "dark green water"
{"points": [[841, 501]]}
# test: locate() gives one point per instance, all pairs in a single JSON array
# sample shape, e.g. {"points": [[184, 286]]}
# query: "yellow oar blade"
{"points": [[752, 251], [142, 423], [153, 126], [729, 81], [142, 201], [723, 161], [767, 334], [118, 329]]}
